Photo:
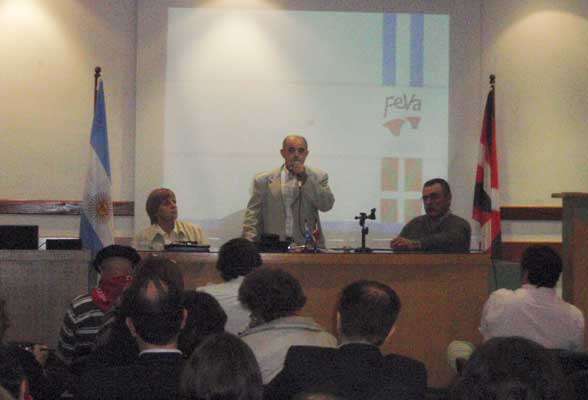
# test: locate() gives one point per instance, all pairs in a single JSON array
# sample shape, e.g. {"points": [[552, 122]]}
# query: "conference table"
{"points": [[442, 294]]}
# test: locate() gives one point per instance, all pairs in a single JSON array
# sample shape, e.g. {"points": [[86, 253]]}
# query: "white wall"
{"points": [[537, 49], [49, 49]]}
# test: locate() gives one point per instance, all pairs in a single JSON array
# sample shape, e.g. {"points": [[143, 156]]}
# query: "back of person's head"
{"points": [[368, 311], [223, 367], [12, 373], [542, 265], [154, 201], [511, 368], [4, 321], [205, 317], [237, 257], [153, 302], [167, 269], [324, 391], [271, 293]]}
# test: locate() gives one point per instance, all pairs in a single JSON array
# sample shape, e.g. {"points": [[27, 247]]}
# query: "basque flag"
{"points": [[486, 200], [96, 222]]}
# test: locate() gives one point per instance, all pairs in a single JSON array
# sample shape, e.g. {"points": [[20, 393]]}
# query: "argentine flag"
{"points": [[96, 222]]}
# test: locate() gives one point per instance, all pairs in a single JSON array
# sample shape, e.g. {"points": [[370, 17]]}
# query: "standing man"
{"points": [[437, 230], [286, 199]]}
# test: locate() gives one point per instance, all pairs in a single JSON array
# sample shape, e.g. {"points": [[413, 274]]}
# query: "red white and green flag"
{"points": [[486, 199]]}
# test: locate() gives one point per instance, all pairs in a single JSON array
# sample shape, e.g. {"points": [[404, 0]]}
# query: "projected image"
{"points": [[369, 91]]}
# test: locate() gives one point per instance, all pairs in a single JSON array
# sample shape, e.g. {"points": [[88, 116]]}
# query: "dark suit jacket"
{"points": [[357, 371], [153, 376]]}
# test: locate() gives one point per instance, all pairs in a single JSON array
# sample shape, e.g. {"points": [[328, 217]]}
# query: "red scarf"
{"points": [[109, 291]]}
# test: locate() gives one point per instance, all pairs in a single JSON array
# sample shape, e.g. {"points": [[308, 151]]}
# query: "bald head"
{"points": [[290, 138], [294, 151]]}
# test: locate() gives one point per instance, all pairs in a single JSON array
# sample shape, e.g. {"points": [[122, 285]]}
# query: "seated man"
{"points": [[154, 315], [165, 228], [535, 311], [236, 259], [77, 337], [438, 230], [367, 311]]}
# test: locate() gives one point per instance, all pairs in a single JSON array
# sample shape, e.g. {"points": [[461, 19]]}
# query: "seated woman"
{"points": [[274, 297], [165, 228], [222, 367]]}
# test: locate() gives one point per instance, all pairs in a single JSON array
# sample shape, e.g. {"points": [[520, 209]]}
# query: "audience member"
{"points": [[535, 311], [154, 315], [83, 318], [223, 367], [27, 361], [205, 318], [165, 227], [21, 371], [511, 368], [236, 258], [115, 346], [12, 376], [367, 312], [4, 320], [274, 297]]}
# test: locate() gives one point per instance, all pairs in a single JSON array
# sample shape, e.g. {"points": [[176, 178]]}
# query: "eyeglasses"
{"points": [[432, 196], [299, 150]]}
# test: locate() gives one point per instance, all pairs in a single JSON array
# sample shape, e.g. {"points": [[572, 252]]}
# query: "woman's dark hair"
{"points": [[271, 293], [205, 317], [223, 367], [237, 257], [511, 368]]}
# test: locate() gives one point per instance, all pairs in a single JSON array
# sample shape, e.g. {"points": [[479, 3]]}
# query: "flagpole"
{"points": [[97, 73]]}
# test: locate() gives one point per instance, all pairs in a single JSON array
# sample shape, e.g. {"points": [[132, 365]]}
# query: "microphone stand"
{"points": [[364, 230]]}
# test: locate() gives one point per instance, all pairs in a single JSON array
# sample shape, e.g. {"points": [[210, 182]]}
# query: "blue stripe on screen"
{"points": [[389, 50], [417, 22]]}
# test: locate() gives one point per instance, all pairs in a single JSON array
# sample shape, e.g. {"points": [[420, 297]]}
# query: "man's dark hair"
{"points": [[223, 367], [157, 314], [542, 264], [237, 257], [271, 293], [368, 310], [12, 372], [511, 368], [4, 320], [205, 317], [155, 199], [116, 250], [440, 181]]}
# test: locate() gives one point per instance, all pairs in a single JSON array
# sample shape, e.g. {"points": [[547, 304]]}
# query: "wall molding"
{"points": [[58, 207], [530, 213], [126, 209]]}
